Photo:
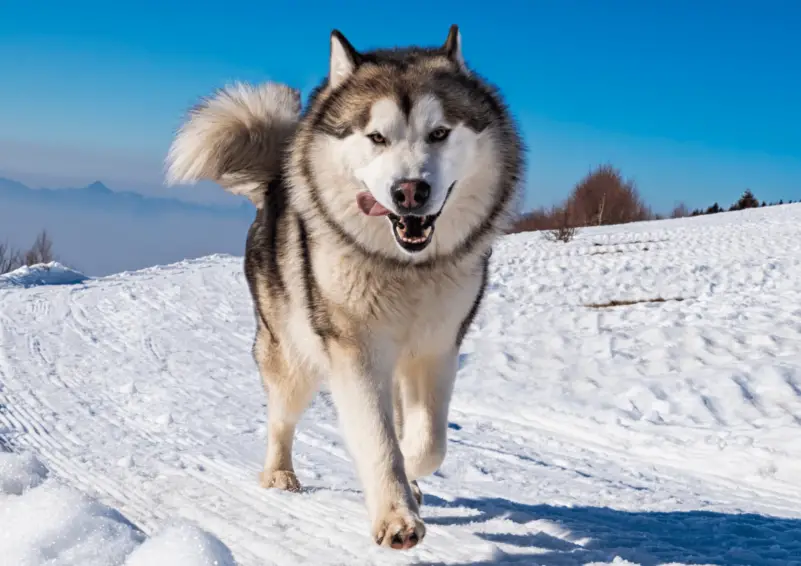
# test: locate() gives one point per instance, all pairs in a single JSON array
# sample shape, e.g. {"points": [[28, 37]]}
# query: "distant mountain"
{"points": [[99, 231], [11, 185], [99, 195]]}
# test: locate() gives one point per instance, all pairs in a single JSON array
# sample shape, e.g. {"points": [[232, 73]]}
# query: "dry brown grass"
{"points": [[629, 243], [624, 302], [603, 252]]}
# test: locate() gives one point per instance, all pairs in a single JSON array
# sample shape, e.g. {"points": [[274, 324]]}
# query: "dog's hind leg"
{"points": [[424, 388], [289, 391], [397, 402]]}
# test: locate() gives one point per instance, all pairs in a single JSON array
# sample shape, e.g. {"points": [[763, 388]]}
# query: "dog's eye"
{"points": [[377, 138], [439, 134]]}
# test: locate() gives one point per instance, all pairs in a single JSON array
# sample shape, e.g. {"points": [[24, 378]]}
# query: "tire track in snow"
{"points": [[59, 452]]}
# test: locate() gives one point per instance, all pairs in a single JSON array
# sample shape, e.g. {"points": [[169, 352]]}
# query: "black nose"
{"points": [[410, 194]]}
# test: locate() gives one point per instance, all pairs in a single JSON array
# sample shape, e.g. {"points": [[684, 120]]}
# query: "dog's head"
{"points": [[406, 153]]}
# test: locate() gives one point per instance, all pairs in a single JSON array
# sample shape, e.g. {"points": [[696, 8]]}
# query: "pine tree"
{"points": [[747, 200]]}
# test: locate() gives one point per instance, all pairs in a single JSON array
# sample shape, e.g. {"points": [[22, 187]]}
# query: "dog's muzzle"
{"points": [[413, 232]]}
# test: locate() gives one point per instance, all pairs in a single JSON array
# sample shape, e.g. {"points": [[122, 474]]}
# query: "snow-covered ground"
{"points": [[52, 273], [653, 433]]}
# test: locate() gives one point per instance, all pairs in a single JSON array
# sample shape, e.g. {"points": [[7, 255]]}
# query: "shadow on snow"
{"points": [[646, 538]]}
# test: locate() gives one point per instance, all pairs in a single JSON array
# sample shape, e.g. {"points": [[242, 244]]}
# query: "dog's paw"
{"points": [[280, 479], [400, 529], [417, 492]]}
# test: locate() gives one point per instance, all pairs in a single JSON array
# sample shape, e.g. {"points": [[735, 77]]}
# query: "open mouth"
{"points": [[412, 233]]}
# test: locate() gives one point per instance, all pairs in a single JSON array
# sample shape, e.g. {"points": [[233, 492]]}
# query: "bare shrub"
{"points": [[604, 197], [538, 219], [681, 210], [10, 259], [565, 231], [41, 251]]}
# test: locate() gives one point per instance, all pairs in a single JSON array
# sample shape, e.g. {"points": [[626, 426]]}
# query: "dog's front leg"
{"points": [[361, 385]]}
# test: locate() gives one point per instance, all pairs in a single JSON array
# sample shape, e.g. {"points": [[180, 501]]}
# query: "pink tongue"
{"points": [[370, 206]]}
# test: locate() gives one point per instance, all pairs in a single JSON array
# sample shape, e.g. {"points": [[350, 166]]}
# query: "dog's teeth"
{"points": [[400, 233]]}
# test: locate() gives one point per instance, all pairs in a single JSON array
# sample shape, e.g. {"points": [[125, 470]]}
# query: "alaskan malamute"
{"points": [[377, 208]]}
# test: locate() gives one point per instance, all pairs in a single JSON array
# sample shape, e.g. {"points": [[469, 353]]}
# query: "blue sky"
{"points": [[694, 100]]}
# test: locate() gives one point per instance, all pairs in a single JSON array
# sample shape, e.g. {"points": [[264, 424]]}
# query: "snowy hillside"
{"points": [[656, 432]]}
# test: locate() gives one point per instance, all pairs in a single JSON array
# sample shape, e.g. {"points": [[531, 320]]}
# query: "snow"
{"points": [[651, 433], [52, 273], [45, 522], [53, 524], [20, 472], [182, 544]]}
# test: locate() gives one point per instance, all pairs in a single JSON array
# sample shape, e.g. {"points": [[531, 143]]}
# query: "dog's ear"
{"points": [[344, 59], [453, 47]]}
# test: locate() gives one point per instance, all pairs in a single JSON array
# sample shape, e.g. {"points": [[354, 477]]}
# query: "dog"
{"points": [[377, 207]]}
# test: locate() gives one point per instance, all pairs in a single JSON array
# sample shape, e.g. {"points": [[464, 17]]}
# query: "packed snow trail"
{"points": [[657, 432]]}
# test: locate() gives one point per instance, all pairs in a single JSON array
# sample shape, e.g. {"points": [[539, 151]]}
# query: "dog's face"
{"points": [[408, 160], [403, 152]]}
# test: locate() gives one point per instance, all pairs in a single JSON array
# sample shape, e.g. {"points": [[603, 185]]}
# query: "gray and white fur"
{"points": [[377, 206]]}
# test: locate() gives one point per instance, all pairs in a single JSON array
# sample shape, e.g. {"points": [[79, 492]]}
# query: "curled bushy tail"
{"points": [[236, 138]]}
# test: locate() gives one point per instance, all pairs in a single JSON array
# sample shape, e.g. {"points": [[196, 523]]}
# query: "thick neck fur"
{"points": [[354, 280]]}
